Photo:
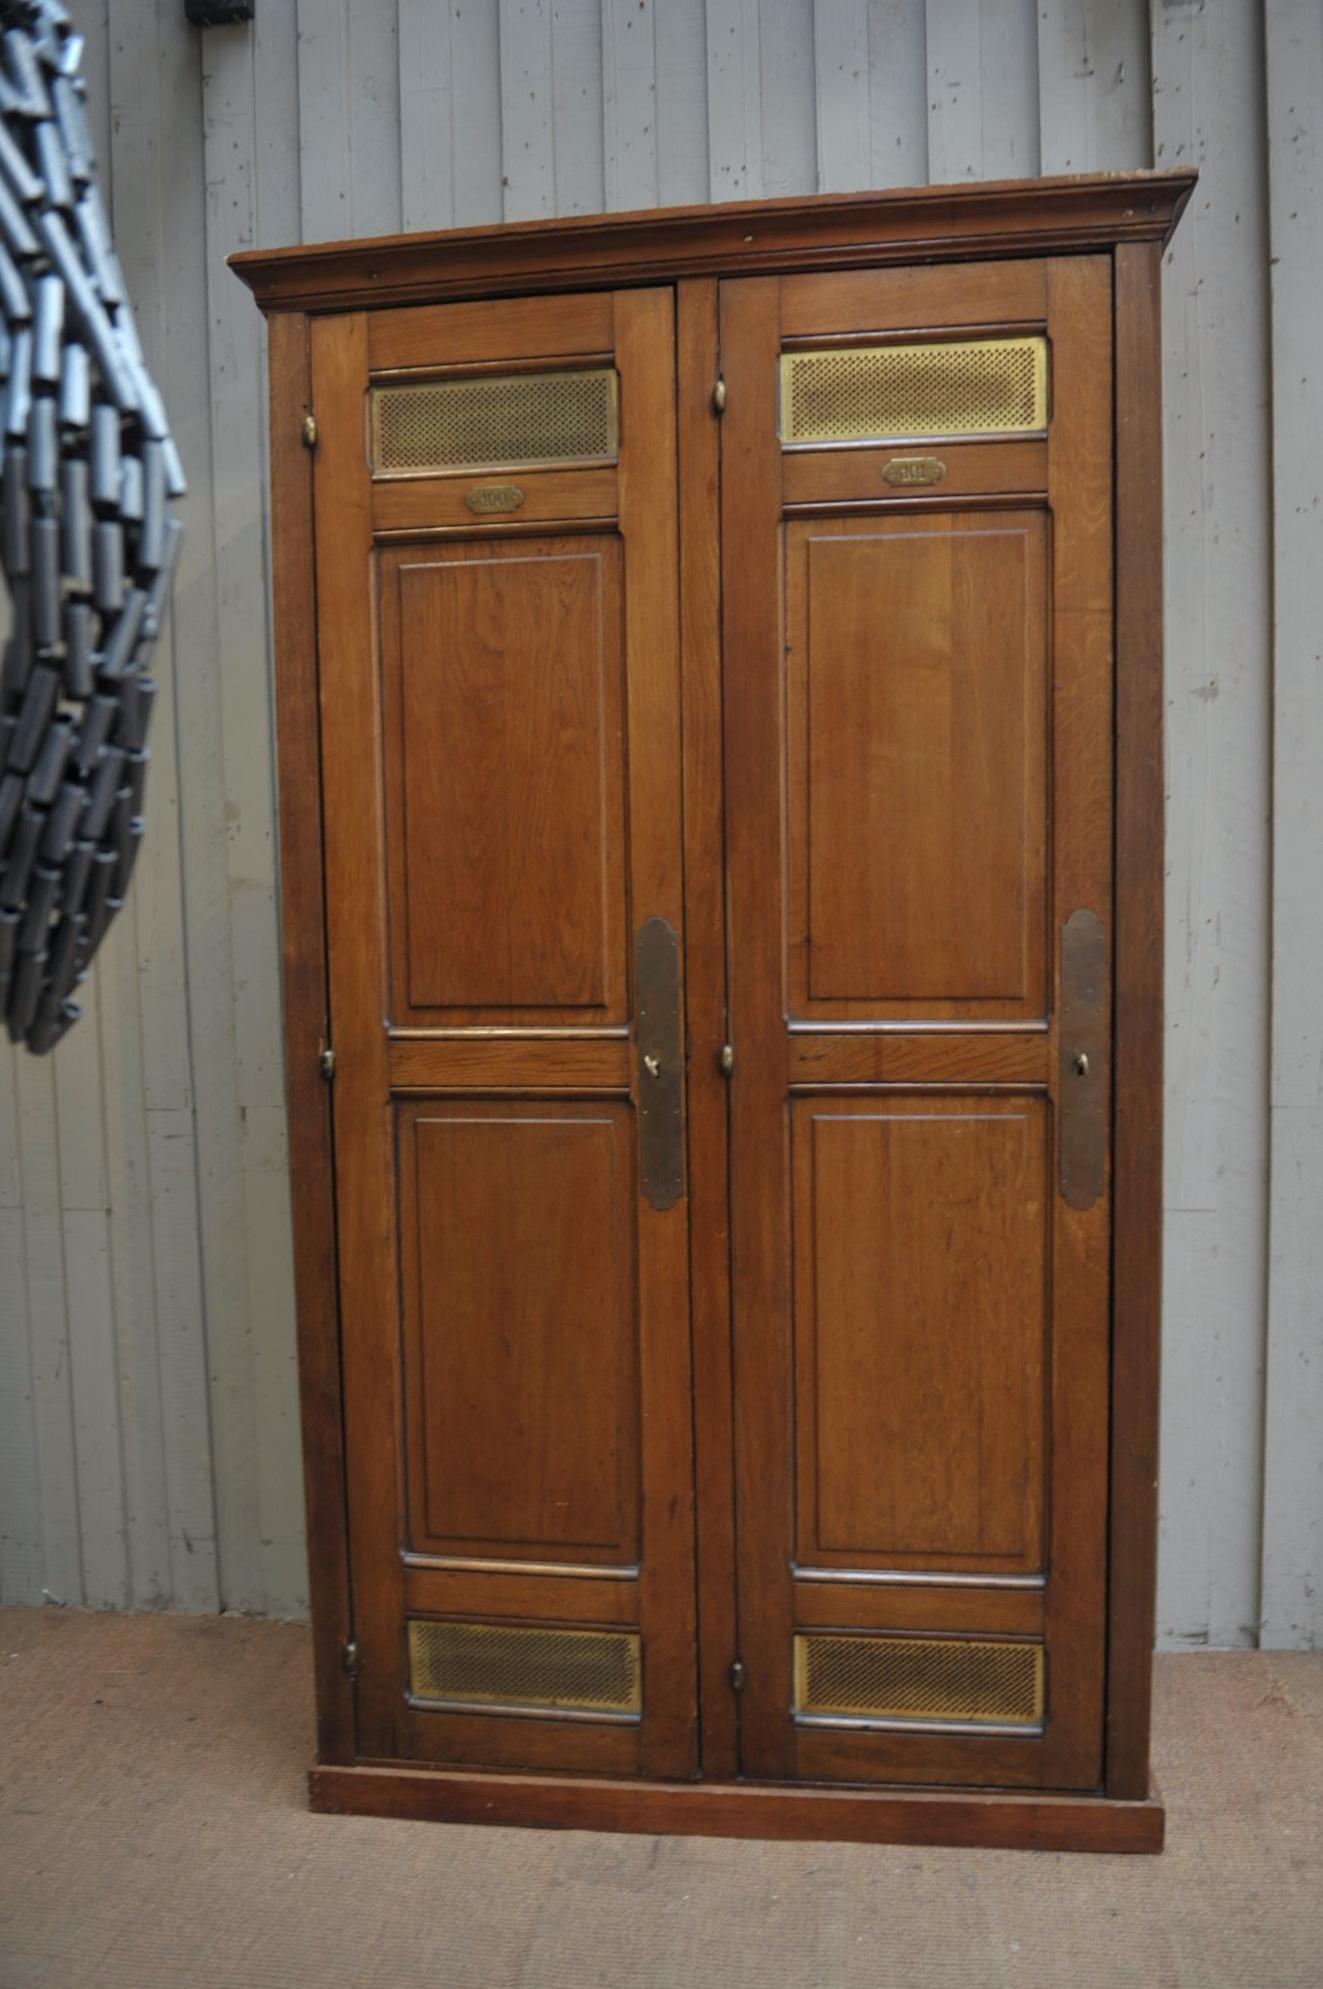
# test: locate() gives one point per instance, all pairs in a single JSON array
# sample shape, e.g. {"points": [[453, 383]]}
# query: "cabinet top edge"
{"points": [[965, 220]]}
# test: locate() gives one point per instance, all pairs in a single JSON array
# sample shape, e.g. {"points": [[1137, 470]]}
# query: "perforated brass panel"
{"points": [[901, 393], [494, 421], [500, 1664], [919, 1678]]}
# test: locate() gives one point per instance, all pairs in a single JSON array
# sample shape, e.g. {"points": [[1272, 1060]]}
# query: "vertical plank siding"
{"points": [[1292, 1602], [156, 172], [629, 104], [148, 1420], [254, 1384], [734, 99], [1207, 111], [898, 93], [1093, 86], [982, 90]]}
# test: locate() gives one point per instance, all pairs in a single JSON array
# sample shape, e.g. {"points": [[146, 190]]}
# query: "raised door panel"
{"points": [[917, 748], [521, 1370], [505, 781], [920, 1256]]}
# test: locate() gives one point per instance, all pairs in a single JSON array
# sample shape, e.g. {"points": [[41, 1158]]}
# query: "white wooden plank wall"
{"points": [[1292, 1600], [1207, 111], [148, 1425]]}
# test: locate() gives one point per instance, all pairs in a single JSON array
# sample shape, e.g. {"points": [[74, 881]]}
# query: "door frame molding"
{"points": [[1132, 216]]}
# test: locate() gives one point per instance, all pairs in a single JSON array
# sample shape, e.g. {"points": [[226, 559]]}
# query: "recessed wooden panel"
{"points": [[547, 498], [527, 328], [520, 1357], [879, 476], [514, 1590], [923, 1603], [916, 299], [552, 1061], [964, 1057], [917, 748], [504, 787], [920, 1265]]}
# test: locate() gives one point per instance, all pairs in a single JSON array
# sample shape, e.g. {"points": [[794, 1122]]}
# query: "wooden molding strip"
{"points": [[744, 1809], [909, 224]]}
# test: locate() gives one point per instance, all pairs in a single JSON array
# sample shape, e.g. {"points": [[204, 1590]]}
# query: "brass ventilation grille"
{"points": [[498, 1664], [902, 393], [494, 422], [919, 1678]]}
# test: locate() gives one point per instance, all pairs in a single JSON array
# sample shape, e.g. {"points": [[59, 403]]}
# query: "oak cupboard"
{"points": [[719, 671]]}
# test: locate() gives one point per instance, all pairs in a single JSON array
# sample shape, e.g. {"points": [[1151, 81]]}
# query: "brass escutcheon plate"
{"points": [[657, 1041], [1082, 1094]]}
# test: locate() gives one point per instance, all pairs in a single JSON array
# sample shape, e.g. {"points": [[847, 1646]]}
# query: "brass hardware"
{"points": [[471, 1564], [737, 1675], [533, 1667], [326, 1063], [494, 497], [349, 1660], [310, 431], [1082, 1101], [898, 393], [727, 1059], [914, 469], [719, 397], [494, 421], [933, 1679], [657, 1036]]}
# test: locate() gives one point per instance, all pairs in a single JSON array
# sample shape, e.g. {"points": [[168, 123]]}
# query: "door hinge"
{"points": [[727, 1059], [310, 430], [326, 1063], [349, 1659], [719, 396], [737, 1675]]}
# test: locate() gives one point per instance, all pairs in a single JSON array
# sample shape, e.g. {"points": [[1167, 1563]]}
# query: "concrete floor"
{"points": [[153, 1836]]}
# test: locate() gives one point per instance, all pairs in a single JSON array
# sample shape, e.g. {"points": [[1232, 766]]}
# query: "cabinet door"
{"points": [[916, 504], [497, 628]]}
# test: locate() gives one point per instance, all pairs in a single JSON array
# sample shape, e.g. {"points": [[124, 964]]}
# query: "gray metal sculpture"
{"points": [[86, 541]]}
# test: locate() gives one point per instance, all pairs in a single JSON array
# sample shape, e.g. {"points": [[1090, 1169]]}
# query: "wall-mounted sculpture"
{"points": [[86, 540]]}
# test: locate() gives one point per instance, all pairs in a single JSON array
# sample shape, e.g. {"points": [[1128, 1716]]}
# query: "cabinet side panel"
{"points": [[305, 1004], [1137, 1258]]}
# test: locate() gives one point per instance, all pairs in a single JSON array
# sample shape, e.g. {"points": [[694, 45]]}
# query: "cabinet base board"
{"points": [[1027, 1822]]}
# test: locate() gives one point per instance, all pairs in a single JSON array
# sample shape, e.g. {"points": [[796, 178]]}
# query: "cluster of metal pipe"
{"points": [[86, 540]]}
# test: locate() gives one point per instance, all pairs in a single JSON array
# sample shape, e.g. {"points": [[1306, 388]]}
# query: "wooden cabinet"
{"points": [[719, 673]]}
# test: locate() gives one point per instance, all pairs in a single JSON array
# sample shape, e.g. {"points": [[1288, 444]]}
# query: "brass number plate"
{"points": [[1082, 1110], [495, 497], [657, 1042], [914, 469]]}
